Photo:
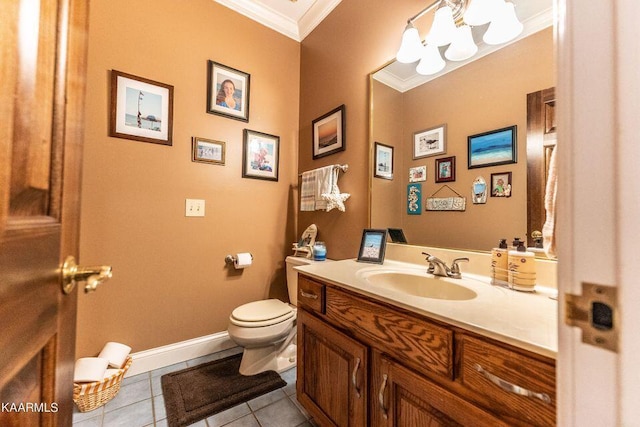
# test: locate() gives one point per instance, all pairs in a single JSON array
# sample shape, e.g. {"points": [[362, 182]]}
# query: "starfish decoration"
{"points": [[335, 199]]}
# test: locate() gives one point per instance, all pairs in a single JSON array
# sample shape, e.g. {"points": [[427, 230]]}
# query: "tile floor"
{"points": [[139, 403]]}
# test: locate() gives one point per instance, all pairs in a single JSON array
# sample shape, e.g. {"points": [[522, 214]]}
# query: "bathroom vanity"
{"points": [[372, 354]]}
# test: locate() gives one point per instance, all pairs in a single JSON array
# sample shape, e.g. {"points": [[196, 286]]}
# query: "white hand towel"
{"points": [[549, 227], [308, 191], [324, 184], [89, 369], [115, 353]]}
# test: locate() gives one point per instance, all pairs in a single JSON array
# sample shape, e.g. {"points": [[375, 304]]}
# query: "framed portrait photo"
{"points": [[496, 147], [141, 109], [328, 133], [207, 151], [501, 184], [446, 169], [227, 91], [372, 246], [383, 161], [430, 142], [260, 155]]}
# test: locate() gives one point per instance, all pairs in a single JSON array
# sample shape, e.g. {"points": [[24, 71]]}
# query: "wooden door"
{"points": [[541, 141], [402, 398], [42, 79], [332, 374]]}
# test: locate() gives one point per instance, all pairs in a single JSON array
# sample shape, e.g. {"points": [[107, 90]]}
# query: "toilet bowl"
{"points": [[267, 328]]}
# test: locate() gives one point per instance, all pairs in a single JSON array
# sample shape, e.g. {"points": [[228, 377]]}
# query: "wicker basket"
{"points": [[90, 396]]}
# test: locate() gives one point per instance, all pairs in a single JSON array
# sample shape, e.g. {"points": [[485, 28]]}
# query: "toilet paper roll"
{"points": [[89, 369], [243, 260], [115, 353]]}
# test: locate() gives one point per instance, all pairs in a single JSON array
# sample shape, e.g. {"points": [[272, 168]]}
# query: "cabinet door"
{"points": [[331, 374], [404, 399]]}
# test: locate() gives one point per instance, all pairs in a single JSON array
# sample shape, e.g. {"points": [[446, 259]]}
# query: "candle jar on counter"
{"points": [[319, 251]]}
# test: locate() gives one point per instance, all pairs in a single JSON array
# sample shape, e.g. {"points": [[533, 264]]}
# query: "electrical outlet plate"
{"points": [[194, 207]]}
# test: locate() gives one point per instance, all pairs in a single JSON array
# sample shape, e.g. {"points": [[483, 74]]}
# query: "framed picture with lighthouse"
{"points": [[141, 109]]}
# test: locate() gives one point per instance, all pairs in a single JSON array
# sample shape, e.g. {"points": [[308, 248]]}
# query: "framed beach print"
{"points": [[430, 142], [383, 161], [446, 169], [496, 147], [501, 184], [260, 155], [372, 246], [227, 91], [141, 109], [207, 151], [328, 133]]}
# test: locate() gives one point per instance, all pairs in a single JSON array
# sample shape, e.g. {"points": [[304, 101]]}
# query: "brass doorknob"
{"points": [[72, 273]]}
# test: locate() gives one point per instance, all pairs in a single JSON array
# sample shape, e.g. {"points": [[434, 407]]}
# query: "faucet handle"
{"points": [[426, 254], [455, 268]]}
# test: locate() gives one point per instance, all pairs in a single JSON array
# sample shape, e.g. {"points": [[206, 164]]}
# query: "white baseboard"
{"points": [[159, 357]]}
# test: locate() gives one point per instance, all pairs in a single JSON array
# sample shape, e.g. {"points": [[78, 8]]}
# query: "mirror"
{"points": [[487, 94]]}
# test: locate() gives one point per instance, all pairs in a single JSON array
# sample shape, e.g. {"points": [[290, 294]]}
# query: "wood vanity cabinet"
{"points": [[364, 362]]}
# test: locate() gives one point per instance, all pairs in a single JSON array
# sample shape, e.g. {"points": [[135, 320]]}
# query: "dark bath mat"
{"points": [[199, 392]]}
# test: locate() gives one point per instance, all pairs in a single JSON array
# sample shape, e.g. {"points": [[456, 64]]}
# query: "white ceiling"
{"points": [[294, 19]]}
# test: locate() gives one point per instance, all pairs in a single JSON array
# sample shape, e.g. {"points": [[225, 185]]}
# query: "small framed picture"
{"points": [[501, 184], [141, 109], [329, 133], [397, 235], [418, 174], [260, 155], [227, 91], [383, 161], [207, 151], [372, 246], [446, 169], [430, 142], [497, 147]]}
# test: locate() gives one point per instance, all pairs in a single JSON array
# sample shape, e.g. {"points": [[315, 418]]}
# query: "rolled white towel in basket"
{"points": [[115, 353], [90, 369]]}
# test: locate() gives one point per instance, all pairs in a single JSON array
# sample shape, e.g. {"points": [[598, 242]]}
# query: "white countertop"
{"points": [[525, 320]]}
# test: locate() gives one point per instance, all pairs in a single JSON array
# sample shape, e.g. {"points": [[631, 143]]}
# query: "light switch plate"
{"points": [[194, 207]]}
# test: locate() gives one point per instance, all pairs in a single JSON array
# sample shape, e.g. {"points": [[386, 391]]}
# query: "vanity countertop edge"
{"points": [[525, 320]]}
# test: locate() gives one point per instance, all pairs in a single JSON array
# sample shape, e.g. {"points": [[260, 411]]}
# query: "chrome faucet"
{"points": [[437, 267]]}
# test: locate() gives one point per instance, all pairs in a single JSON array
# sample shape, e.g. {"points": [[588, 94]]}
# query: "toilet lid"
{"points": [[272, 310]]}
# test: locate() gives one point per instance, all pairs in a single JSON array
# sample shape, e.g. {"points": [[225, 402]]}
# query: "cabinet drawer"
{"points": [[517, 387], [415, 342], [311, 294]]}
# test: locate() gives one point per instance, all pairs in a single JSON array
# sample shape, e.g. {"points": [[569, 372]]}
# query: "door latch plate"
{"points": [[595, 312]]}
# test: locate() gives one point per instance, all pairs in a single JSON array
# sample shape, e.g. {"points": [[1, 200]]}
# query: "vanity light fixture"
{"points": [[451, 26]]}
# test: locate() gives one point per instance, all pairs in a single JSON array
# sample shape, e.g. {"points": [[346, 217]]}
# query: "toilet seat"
{"points": [[259, 314]]}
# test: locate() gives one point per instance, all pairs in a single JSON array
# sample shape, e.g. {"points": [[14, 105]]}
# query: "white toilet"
{"points": [[267, 329]]}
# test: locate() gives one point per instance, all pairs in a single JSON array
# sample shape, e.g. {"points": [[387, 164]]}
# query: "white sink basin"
{"points": [[419, 284]]}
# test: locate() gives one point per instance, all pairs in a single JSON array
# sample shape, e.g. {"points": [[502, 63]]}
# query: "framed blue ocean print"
{"points": [[496, 147]]}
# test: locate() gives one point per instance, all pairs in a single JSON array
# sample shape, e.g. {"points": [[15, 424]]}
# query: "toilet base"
{"points": [[256, 360]]}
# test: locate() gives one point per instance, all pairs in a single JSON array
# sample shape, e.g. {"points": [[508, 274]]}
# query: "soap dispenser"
{"points": [[522, 269], [500, 264]]}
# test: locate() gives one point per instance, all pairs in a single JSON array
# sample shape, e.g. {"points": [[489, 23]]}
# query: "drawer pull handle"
{"points": [[512, 388], [308, 295], [381, 396], [354, 379]]}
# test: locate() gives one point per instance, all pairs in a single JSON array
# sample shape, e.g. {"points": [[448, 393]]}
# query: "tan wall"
{"points": [[170, 281], [490, 93], [336, 59]]}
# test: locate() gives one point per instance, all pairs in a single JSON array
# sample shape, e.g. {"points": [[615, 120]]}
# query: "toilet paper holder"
{"points": [[230, 259]]}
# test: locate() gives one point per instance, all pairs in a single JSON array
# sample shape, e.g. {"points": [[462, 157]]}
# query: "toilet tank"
{"points": [[292, 275]]}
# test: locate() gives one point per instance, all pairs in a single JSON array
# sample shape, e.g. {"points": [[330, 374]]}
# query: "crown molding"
{"points": [[297, 30]]}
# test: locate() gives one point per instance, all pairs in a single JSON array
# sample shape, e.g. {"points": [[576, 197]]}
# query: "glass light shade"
{"points": [[411, 46], [443, 28], [505, 27], [431, 61], [481, 12], [462, 46]]}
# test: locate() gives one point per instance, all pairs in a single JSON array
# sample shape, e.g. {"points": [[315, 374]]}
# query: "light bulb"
{"points": [[462, 46], [443, 27], [411, 46], [431, 61], [505, 27]]}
